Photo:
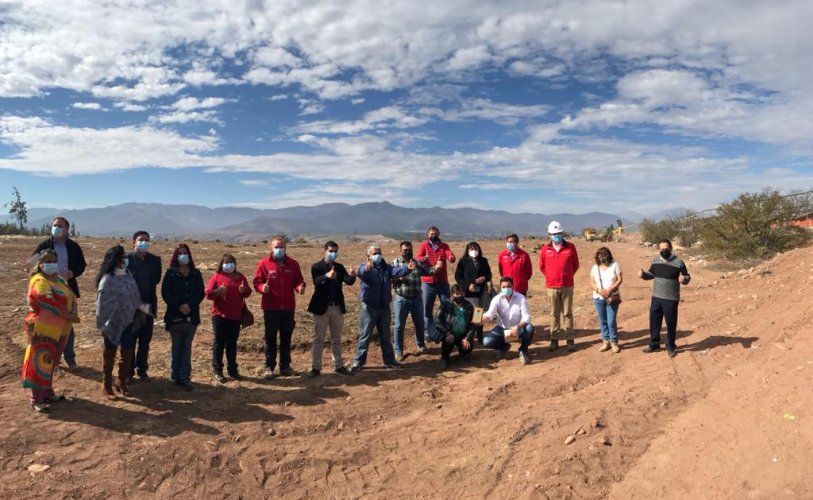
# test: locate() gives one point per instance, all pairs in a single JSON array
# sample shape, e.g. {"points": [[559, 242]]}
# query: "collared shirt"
{"points": [[61, 250], [509, 313], [410, 287]]}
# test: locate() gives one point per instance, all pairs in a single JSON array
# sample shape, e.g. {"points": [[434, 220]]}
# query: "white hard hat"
{"points": [[555, 228]]}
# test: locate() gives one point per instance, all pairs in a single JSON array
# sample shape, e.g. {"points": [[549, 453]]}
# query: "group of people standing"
{"points": [[127, 304]]}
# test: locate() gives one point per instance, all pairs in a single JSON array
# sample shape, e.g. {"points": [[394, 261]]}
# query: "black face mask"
{"points": [[407, 255], [458, 299], [665, 253], [434, 239]]}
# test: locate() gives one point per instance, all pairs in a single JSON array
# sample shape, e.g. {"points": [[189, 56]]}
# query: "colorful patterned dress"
{"points": [[50, 302]]}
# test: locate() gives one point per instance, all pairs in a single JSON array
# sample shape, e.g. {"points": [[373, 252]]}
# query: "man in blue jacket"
{"points": [[376, 293]]}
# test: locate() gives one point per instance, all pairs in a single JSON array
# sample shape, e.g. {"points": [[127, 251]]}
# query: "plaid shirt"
{"points": [[410, 287]]}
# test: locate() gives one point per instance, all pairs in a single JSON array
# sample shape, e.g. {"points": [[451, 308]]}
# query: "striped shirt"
{"points": [[409, 286], [666, 273]]}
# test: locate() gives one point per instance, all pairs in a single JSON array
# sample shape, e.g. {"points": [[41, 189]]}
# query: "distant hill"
{"points": [[173, 221]]}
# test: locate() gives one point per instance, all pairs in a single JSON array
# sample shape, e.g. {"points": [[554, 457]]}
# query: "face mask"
{"points": [[279, 253], [228, 267], [511, 246], [125, 263], [183, 259], [376, 258], [506, 292], [142, 245], [434, 238], [407, 255], [50, 268], [331, 256], [57, 231], [458, 299], [557, 238], [665, 253], [474, 254]]}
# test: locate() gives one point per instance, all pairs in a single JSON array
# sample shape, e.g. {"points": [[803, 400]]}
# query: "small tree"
{"points": [[17, 208], [756, 225]]}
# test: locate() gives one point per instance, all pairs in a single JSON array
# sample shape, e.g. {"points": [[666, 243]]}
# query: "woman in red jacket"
{"points": [[227, 289]]}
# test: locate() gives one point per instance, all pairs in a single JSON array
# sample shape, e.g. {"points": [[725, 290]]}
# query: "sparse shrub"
{"points": [[756, 225]]}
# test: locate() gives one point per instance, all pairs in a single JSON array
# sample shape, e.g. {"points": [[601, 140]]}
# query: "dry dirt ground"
{"points": [[729, 417]]}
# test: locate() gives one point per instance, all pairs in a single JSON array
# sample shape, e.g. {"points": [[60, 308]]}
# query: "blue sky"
{"points": [[530, 106]]}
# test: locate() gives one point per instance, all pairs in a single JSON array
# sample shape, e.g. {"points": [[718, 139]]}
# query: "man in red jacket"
{"points": [[278, 278], [433, 252], [559, 261], [516, 263]]}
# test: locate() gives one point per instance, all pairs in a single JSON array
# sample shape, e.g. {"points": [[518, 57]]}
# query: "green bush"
{"points": [[756, 225]]}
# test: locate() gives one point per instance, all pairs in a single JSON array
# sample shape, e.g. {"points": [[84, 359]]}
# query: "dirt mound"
{"points": [[728, 417]]}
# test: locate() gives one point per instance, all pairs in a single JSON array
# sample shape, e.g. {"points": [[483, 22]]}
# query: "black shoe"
{"points": [[524, 358], [356, 368], [70, 363], [571, 345], [342, 370], [503, 353], [143, 377], [444, 364], [393, 364], [313, 373], [220, 378], [235, 375], [671, 352], [554, 344], [287, 372], [648, 349], [187, 386]]}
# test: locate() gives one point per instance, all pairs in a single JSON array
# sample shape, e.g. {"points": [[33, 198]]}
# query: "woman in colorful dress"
{"points": [[52, 311], [117, 301]]}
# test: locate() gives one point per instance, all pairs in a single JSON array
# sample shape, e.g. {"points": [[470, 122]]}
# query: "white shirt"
{"points": [[509, 313], [608, 276]]}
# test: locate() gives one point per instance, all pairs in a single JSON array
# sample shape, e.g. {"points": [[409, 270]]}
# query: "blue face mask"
{"points": [[331, 256], [511, 246], [142, 245], [279, 253], [506, 292], [228, 267], [557, 238], [57, 231], [50, 268], [376, 258], [125, 263], [183, 259]]}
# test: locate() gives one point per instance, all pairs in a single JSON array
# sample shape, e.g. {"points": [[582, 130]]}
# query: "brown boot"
{"points": [[124, 370], [109, 359]]}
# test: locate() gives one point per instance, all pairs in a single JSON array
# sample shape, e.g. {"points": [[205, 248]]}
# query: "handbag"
{"points": [[615, 297], [488, 295], [248, 318]]}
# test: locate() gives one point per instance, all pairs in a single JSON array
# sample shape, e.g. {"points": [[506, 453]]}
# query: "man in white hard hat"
{"points": [[559, 261]]}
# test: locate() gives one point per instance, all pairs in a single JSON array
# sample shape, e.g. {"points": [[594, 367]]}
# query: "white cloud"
{"points": [[502, 113], [188, 116], [130, 107], [253, 182], [192, 103], [86, 105]]}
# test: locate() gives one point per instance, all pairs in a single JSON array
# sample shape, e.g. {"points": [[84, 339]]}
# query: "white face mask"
{"points": [[474, 254]]}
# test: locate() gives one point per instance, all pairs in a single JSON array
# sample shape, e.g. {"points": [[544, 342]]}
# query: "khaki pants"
{"points": [[334, 319], [561, 307]]}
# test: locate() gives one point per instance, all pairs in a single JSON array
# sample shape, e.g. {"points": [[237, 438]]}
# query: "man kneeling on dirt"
{"points": [[513, 316], [453, 327]]}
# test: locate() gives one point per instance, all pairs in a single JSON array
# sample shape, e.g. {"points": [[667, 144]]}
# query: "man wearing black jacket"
{"points": [[71, 262], [327, 307], [453, 327]]}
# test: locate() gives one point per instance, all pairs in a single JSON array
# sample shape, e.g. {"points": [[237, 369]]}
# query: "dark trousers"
{"points": [[447, 347], [281, 322], [227, 331], [69, 353], [658, 310], [143, 337]]}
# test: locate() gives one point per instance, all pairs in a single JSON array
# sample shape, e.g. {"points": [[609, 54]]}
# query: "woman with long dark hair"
{"points": [[227, 289], [117, 301], [183, 291], [606, 279], [473, 274]]}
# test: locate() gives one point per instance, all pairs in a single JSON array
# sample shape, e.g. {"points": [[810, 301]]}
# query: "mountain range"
{"points": [[237, 223]]}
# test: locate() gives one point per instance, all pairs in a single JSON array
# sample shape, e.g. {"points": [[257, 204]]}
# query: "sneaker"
{"points": [[571, 345], [356, 368], [615, 347], [287, 372], [671, 352], [524, 358], [41, 407], [554, 344], [648, 349], [503, 353], [422, 349], [399, 357], [342, 370], [268, 374], [444, 364], [220, 378], [605, 346], [393, 364], [313, 373]]}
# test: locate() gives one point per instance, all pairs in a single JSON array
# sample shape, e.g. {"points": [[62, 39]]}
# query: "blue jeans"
{"points": [[429, 293], [495, 339], [180, 356], [402, 308], [374, 317], [69, 354], [606, 320]]}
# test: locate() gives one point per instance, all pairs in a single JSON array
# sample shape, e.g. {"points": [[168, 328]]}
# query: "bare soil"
{"points": [[729, 417]]}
